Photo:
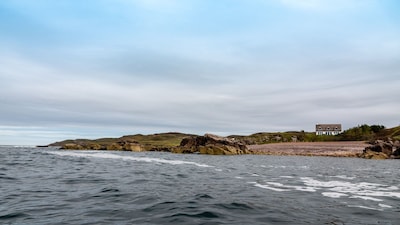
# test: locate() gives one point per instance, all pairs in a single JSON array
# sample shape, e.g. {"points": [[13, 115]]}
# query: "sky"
{"points": [[106, 68]]}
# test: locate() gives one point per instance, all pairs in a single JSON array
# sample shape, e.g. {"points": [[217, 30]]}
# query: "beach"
{"points": [[334, 149]]}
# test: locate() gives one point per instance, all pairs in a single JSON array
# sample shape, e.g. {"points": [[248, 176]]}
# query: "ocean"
{"points": [[51, 186]]}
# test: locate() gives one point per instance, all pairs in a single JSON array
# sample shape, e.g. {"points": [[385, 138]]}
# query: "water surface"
{"points": [[51, 186]]}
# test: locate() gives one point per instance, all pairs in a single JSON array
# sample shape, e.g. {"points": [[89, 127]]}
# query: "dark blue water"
{"points": [[50, 186]]}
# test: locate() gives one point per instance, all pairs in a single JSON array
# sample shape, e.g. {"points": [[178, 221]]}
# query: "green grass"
{"points": [[154, 140], [159, 140], [172, 139]]}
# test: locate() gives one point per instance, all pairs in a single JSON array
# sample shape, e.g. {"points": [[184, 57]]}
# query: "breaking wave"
{"points": [[102, 155]]}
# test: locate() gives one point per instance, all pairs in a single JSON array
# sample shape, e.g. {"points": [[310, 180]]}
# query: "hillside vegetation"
{"points": [[359, 133], [147, 142], [165, 141]]}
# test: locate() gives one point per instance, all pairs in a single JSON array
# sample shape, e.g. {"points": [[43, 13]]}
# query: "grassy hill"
{"points": [[393, 133], [172, 139], [154, 140]]}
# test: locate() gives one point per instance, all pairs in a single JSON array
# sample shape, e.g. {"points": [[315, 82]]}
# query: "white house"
{"points": [[328, 129]]}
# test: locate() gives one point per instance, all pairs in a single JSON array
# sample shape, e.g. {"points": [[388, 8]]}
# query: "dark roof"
{"points": [[328, 127]]}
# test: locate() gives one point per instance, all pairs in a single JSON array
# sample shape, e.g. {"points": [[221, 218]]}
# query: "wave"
{"points": [[88, 154], [17, 146], [338, 189]]}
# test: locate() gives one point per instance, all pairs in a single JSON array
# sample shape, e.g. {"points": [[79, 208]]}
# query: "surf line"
{"points": [[137, 159]]}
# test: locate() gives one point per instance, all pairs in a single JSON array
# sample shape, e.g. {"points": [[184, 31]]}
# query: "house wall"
{"points": [[328, 129], [327, 132]]}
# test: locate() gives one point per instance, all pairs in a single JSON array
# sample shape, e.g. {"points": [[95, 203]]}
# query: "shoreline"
{"points": [[330, 149]]}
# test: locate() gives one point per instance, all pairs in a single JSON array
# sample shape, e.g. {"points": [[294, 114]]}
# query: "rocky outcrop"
{"points": [[211, 144], [134, 147], [382, 150], [72, 146], [396, 153], [117, 146]]}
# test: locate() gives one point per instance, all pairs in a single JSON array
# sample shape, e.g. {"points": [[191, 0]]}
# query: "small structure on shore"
{"points": [[328, 129]]}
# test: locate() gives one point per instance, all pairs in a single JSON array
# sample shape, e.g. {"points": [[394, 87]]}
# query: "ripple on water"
{"points": [[4, 177], [235, 206], [206, 214], [13, 215], [128, 188]]}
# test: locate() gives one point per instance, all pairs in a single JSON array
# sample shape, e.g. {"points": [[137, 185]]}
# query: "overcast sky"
{"points": [[106, 68]]}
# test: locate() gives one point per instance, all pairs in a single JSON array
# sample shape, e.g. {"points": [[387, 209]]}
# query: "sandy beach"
{"points": [[334, 149]]}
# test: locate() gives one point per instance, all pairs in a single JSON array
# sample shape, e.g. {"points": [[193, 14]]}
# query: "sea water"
{"points": [[51, 186]]}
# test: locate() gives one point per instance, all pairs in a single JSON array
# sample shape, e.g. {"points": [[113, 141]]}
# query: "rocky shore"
{"points": [[217, 145], [382, 149], [207, 144], [212, 145]]}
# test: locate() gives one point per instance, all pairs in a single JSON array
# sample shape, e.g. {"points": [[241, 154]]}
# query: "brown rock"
{"points": [[133, 147], [114, 146], [396, 153], [93, 146], [72, 146], [211, 144], [368, 154], [381, 146]]}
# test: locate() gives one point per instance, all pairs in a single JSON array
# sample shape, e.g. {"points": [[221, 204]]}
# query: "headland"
{"points": [[384, 144]]}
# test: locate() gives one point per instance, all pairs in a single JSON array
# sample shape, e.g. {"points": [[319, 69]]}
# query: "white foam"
{"points": [[359, 189], [324, 184], [102, 155], [269, 187], [306, 189], [275, 186], [385, 206], [344, 177], [239, 177], [219, 170], [289, 177], [367, 198], [365, 207], [333, 194]]}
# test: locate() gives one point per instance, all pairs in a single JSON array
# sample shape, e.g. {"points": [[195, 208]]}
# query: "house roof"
{"points": [[328, 127]]}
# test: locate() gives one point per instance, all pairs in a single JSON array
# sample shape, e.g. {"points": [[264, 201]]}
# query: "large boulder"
{"points": [[382, 146], [396, 153], [380, 150], [134, 147], [211, 144]]}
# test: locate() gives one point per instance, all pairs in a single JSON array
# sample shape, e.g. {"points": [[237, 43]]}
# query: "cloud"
{"points": [[154, 66]]}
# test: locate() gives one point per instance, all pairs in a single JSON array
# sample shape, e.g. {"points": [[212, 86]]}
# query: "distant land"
{"points": [[353, 142]]}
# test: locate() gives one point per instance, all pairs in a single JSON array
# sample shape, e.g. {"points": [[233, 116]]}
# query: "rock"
{"points": [[219, 150], [368, 154], [380, 150], [396, 153], [93, 146], [211, 144], [381, 146], [133, 147], [114, 146], [72, 146]]}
